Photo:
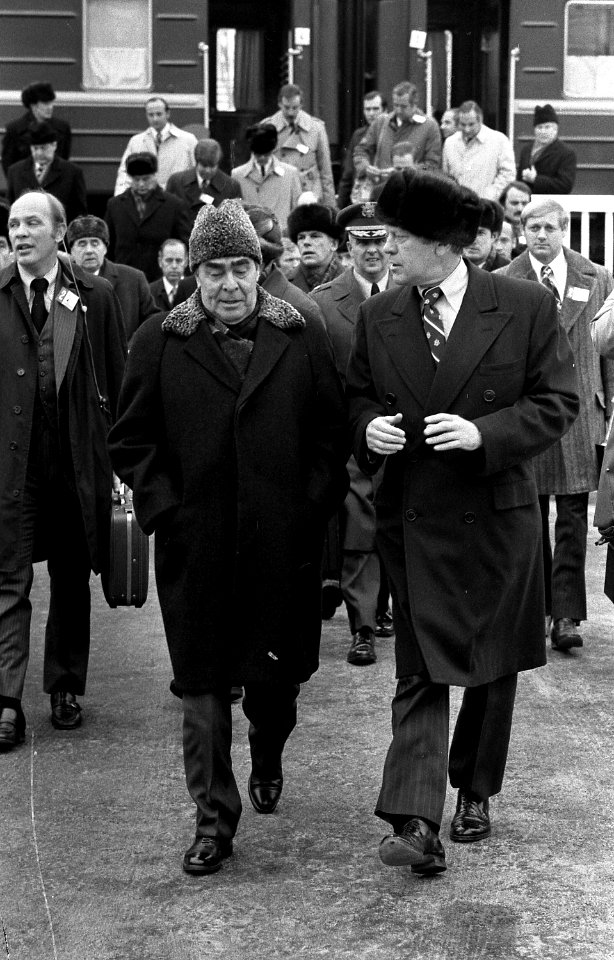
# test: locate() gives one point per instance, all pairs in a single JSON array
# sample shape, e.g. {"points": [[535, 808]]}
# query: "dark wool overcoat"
{"points": [[237, 479], [83, 425], [64, 180], [460, 532], [136, 242], [132, 291], [555, 165]]}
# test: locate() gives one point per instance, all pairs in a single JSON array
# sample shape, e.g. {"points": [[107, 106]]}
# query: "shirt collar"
{"points": [[165, 131], [365, 285], [454, 285], [558, 267], [27, 278], [168, 286]]}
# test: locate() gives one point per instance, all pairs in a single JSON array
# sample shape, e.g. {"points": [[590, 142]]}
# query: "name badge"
{"points": [[67, 299], [205, 198], [302, 148], [580, 294]]}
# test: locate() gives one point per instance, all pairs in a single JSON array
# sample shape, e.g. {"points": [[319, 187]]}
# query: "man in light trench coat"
{"points": [[456, 380]]}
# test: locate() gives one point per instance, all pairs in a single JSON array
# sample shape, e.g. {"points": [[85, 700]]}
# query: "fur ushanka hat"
{"points": [[313, 216], [431, 206], [82, 227], [224, 231]]}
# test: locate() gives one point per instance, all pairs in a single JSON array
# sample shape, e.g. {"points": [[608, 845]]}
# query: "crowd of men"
{"points": [[282, 374]]}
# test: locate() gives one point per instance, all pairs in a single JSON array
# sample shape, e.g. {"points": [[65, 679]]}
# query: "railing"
{"points": [[595, 213]]}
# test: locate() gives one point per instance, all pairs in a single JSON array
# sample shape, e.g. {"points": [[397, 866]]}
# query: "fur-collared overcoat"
{"points": [[237, 479], [460, 532]]}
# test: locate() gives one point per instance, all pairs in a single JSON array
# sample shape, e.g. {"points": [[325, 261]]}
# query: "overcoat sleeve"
{"points": [[602, 329], [362, 397]]}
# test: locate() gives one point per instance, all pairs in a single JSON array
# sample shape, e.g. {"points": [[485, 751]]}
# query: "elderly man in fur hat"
{"points": [[457, 378], [314, 229], [231, 434]]}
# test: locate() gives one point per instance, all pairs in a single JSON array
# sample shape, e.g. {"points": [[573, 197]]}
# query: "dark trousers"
{"points": [[207, 741], [564, 568], [360, 586], [51, 512], [417, 764]]}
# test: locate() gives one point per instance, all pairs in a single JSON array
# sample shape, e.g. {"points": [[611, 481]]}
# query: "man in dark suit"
{"points": [[61, 372], [44, 169], [456, 380], [547, 165], [38, 100], [339, 300], [173, 261], [87, 239], [143, 216], [569, 469], [205, 182]]}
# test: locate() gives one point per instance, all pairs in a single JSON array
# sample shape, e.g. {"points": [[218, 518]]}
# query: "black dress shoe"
{"points": [[416, 845], [12, 729], [471, 821], [565, 634], [206, 855], [362, 648], [384, 626], [65, 711], [264, 794]]}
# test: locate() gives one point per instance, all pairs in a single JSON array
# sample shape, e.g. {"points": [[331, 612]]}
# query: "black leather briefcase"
{"points": [[127, 580]]}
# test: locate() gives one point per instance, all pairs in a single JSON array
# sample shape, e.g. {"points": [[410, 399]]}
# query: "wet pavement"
{"points": [[95, 822]]}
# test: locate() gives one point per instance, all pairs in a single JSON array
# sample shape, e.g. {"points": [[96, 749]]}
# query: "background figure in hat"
{"points": [[143, 216], [38, 99], [482, 251], [44, 169], [232, 435], [265, 180], [204, 182], [548, 165], [457, 378], [339, 300], [87, 239], [313, 228]]}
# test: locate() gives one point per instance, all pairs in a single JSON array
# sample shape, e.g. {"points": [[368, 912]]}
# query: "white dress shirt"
{"points": [[559, 271], [453, 289]]}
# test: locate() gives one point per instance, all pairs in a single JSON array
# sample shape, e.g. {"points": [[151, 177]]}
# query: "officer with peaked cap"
{"points": [[457, 378], [232, 435]]}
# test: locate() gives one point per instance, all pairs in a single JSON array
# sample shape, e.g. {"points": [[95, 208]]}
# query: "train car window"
{"points": [[589, 49], [239, 70], [117, 44]]}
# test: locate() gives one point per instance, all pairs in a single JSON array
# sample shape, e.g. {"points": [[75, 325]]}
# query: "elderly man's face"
{"points": [[545, 236], [172, 261], [515, 202], [6, 255], [228, 287], [33, 233], [143, 183], [316, 248], [89, 253], [412, 259]]}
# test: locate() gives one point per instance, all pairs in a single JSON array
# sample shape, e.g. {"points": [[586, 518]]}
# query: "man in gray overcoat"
{"points": [[231, 433], [457, 378], [569, 469]]}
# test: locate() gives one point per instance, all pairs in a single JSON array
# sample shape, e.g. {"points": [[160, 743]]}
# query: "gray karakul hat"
{"points": [[361, 220], [431, 206], [82, 227], [224, 231], [141, 164]]}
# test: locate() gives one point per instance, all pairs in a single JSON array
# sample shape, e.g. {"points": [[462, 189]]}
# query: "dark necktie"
{"points": [[38, 310], [158, 140], [374, 289], [263, 170], [547, 278], [433, 324]]}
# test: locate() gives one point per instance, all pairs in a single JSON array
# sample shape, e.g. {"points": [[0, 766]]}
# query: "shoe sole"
{"points": [[567, 644], [362, 662], [6, 747], [396, 852]]}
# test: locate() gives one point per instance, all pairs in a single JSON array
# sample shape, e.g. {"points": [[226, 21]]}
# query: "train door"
{"points": [[246, 42]]}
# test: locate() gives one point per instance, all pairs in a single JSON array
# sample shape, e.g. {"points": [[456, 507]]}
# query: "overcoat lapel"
{"points": [[201, 346], [585, 280], [130, 207], [64, 332], [403, 335], [271, 342], [348, 299]]}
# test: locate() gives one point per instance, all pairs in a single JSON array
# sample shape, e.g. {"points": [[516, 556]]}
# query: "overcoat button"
{"points": [[25, 338], [17, 409], [21, 372], [391, 399], [12, 445], [16, 493], [489, 395], [410, 515], [42, 373], [469, 517]]}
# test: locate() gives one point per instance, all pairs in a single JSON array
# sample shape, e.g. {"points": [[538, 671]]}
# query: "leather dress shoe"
{"points": [[206, 855], [12, 729], [264, 794], [384, 626], [65, 711], [416, 845], [565, 634], [471, 821], [362, 648]]}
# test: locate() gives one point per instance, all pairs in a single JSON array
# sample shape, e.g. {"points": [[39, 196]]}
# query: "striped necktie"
{"points": [[433, 324], [547, 278]]}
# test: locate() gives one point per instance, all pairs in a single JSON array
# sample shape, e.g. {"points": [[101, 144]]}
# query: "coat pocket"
{"points": [[518, 494]]}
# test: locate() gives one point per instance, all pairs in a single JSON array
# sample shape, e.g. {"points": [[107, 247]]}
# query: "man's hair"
{"points": [[40, 92], [56, 209], [453, 110], [168, 242], [161, 99], [405, 87], [470, 106], [371, 95], [208, 152], [541, 208], [517, 185], [288, 91]]}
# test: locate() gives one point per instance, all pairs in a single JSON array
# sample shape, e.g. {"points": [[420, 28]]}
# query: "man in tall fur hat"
{"points": [[457, 378], [314, 229], [232, 435]]}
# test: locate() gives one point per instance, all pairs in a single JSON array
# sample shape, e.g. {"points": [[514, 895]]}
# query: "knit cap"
{"points": [[224, 231]]}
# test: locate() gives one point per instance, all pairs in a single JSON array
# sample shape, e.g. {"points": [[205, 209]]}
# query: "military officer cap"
{"points": [[361, 220]]}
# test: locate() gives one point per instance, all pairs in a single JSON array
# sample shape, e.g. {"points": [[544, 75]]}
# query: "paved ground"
{"points": [[94, 822]]}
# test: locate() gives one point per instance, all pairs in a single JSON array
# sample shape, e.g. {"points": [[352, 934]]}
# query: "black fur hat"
{"points": [[42, 133], [431, 206], [39, 92], [141, 164], [492, 215], [313, 216], [545, 114], [262, 137]]}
